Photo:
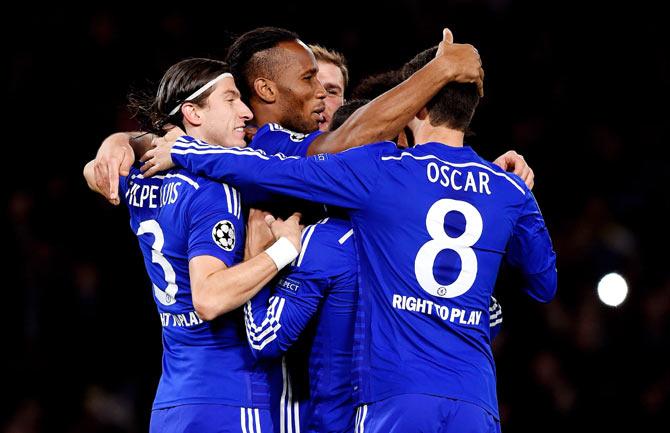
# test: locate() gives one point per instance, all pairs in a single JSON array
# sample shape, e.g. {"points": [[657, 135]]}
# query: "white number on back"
{"points": [[425, 258], [167, 296]]}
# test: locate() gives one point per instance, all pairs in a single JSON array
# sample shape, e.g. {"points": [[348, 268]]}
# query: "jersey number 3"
{"points": [[167, 296], [440, 241]]}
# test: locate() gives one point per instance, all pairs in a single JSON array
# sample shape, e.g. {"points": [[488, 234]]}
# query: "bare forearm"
{"points": [[230, 288], [385, 116], [140, 142]]}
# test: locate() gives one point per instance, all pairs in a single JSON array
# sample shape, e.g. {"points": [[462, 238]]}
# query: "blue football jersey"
{"points": [[177, 216], [495, 318], [311, 309], [275, 139], [272, 139], [432, 224], [313, 388]]}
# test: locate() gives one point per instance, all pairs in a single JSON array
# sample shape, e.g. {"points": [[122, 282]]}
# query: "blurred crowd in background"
{"points": [[580, 90]]}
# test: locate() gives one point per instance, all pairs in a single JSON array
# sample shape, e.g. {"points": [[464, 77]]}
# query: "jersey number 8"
{"points": [[440, 241]]}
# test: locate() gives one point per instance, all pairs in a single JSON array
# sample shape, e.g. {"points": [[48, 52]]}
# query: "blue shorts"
{"points": [[210, 418], [420, 413]]}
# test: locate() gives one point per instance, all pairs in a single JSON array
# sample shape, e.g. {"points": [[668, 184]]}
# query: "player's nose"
{"points": [[320, 90], [245, 112]]}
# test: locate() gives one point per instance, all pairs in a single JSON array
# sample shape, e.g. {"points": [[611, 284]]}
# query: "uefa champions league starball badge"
{"points": [[223, 234]]}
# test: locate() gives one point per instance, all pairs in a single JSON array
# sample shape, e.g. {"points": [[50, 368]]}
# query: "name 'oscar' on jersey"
{"points": [[432, 225]]}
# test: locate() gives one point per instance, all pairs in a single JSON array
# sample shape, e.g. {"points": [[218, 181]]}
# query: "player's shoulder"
{"points": [[135, 176], [198, 185], [506, 178], [135, 170], [332, 229], [187, 144], [204, 193], [511, 180], [135, 184], [194, 182], [365, 152], [274, 138], [275, 129], [327, 246], [380, 147]]}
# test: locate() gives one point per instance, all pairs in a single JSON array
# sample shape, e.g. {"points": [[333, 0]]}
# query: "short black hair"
{"points": [[345, 111], [454, 105], [375, 85], [245, 62]]}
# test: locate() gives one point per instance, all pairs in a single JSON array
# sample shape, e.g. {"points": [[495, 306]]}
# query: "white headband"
{"points": [[201, 90]]}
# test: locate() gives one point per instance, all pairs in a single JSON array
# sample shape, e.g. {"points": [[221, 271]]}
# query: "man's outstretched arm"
{"points": [[384, 117], [345, 180]]}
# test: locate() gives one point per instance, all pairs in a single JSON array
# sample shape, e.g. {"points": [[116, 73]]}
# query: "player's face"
{"points": [[224, 116], [301, 94], [333, 81]]}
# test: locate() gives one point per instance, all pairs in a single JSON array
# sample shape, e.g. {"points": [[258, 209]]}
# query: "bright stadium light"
{"points": [[612, 289]]}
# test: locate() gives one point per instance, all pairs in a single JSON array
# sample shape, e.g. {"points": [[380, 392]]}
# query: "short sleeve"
{"points": [[216, 224]]}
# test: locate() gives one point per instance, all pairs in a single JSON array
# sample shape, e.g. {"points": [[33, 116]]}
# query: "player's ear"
{"points": [[266, 90], [191, 113], [422, 114]]}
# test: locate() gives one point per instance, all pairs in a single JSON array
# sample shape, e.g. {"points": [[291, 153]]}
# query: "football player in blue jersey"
{"points": [[289, 99], [306, 91], [432, 225], [279, 84], [294, 97], [278, 81], [191, 232], [284, 98], [343, 113], [308, 313], [323, 283]]}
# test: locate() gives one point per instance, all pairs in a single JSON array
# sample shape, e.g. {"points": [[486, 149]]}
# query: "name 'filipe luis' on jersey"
{"points": [[178, 216]]}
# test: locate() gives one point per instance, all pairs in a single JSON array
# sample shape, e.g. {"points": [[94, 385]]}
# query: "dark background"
{"points": [[580, 89]]}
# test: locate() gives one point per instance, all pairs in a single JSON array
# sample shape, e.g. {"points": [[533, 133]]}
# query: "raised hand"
{"points": [[259, 236], [290, 229], [515, 163], [114, 159], [465, 64], [158, 158]]}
